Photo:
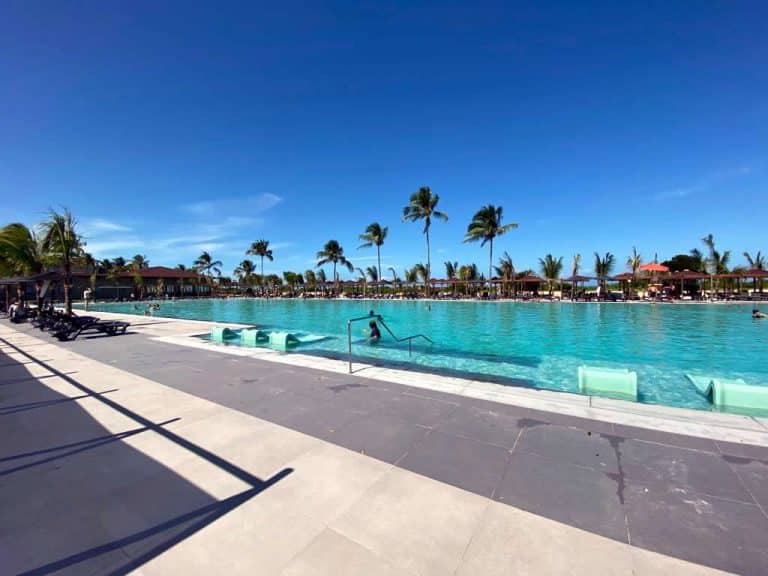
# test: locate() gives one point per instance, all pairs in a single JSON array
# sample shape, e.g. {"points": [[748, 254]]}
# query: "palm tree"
{"points": [[261, 249], [181, 267], [139, 261], [22, 251], [505, 269], [575, 265], [603, 269], [333, 253], [373, 273], [422, 206], [411, 275], [551, 268], [421, 272], [119, 262], [245, 271], [395, 279], [467, 274], [62, 243], [634, 261], [756, 263], [364, 279], [375, 235], [205, 264], [485, 226]]}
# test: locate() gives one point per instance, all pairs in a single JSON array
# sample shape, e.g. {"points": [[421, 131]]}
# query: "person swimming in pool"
{"points": [[757, 314], [375, 335]]}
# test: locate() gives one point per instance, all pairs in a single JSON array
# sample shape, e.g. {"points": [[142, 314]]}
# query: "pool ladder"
{"points": [[379, 318]]}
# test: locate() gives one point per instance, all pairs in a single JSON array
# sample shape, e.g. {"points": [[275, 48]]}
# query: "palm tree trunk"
{"points": [[378, 279], [429, 268], [262, 276], [67, 281], [38, 289], [335, 281], [490, 267]]}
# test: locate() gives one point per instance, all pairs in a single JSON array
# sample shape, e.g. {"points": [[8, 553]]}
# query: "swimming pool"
{"points": [[530, 344]]}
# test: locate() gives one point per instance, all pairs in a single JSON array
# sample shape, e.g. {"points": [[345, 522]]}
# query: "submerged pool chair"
{"points": [[253, 337], [612, 382], [731, 393], [282, 341], [221, 333]]}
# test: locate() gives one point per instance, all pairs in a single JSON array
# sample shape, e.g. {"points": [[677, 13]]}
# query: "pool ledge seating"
{"points": [[614, 382], [731, 393], [253, 336]]}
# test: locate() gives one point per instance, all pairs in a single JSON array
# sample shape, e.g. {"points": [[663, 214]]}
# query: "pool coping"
{"points": [[712, 425]]}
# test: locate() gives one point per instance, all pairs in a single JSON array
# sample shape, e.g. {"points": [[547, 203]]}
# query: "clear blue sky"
{"points": [[173, 127]]}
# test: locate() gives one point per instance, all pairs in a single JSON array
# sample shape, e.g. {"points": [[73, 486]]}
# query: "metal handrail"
{"points": [[378, 317]]}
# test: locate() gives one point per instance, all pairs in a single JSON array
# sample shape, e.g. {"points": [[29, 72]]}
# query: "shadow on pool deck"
{"points": [[75, 498]]}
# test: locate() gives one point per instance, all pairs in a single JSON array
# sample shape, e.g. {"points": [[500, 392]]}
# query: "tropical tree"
{"points": [[119, 262], [756, 263], [63, 245], [421, 272], [484, 227], [138, 285], [261, 249], [375, 235], [333, 253], [181, 267], [423, 206], [505, 270], [411, 275], [245, 271], [21, 251], [603, 269], [634, 261], [551, 268], [575, 265], [322, 278], [395, 279], [468, 273], [139, 261], [206, 264], [373, 273]]}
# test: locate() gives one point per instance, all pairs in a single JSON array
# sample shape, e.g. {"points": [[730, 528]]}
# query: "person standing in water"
{"points": [[375, 335], [757, 314]]}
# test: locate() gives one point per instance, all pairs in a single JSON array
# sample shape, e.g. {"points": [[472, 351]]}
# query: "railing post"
{"points": [[349, 344]]}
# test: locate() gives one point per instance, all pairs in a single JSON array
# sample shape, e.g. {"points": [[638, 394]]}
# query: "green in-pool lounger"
{"points": [[615, 382], [738, 394], [221, 333], [282, 340], [253, 337]]}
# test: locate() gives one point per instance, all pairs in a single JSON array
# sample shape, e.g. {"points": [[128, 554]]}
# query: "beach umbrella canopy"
{"points": [[531, 279], [654, 267], [623, 277]]}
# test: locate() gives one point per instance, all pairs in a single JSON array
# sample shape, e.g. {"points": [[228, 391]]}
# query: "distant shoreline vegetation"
{"points": [[56, 245]]}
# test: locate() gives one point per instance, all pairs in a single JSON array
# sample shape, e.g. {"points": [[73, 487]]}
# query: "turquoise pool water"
{"points": [[530, 344]]}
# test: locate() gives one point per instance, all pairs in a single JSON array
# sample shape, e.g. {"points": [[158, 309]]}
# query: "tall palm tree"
{"points": [[261, 249], [206, 264], [423, 206], [575, 265], [634, 261], [22, 252], [603, 268], [245, 271], [63, 245], [411, 275], [756, 263], [421, 272], [505, 269], [395, 279], [364, 279], [373, 273], [451, 271], [139, 261], [551, 268], [333, 253], [375, 235], [468, 273], [485, 226]]}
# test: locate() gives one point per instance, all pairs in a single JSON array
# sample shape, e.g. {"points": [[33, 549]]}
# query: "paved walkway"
{"points": [[149, 456]]}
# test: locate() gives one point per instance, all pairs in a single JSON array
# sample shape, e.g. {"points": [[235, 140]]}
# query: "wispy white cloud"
{"points": [[246, 205], [705, 184], [95, 226]]}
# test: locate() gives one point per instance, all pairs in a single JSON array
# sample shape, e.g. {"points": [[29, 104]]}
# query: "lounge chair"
{"points": [[90, 325], [614, 382]]}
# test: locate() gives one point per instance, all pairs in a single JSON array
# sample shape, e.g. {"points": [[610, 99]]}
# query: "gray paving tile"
{"points": [[483, 425], [471, 465], [680, 440], [323, 420], [382, 436], [581, 497], [594, 426], [754, 476], [570, 445], [728, 535], [659, 465], [743, 450], [419, 409], [278, 408]]}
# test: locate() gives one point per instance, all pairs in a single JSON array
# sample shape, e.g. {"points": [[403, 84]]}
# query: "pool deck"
{"points": [[139, 453]]}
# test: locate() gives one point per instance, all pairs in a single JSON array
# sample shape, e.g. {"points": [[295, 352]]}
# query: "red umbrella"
{"points": [[654, 267]]}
